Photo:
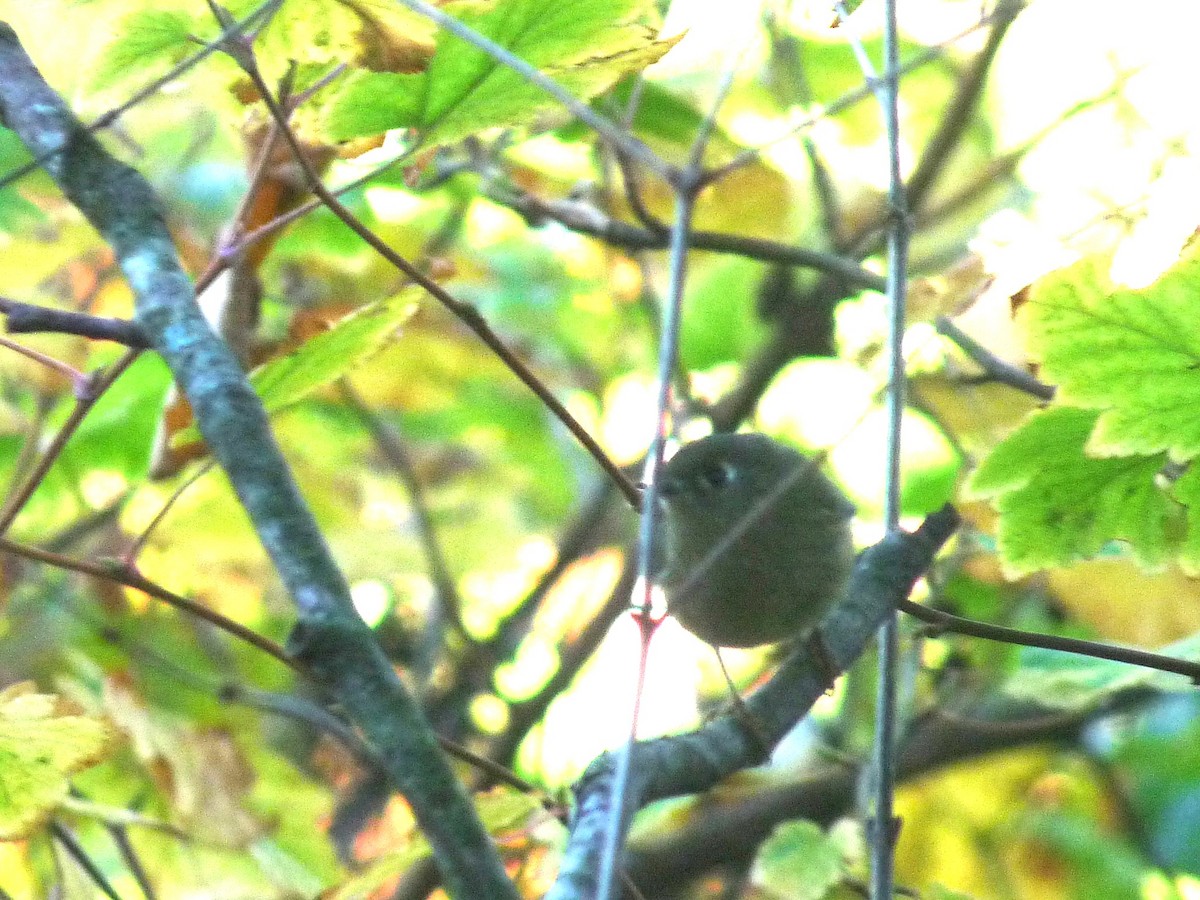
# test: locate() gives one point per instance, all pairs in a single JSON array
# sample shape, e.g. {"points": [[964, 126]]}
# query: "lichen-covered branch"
{"points": [[329, 640]]}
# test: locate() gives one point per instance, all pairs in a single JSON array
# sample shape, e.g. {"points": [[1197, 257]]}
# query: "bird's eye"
{"points": [[715, 477]]}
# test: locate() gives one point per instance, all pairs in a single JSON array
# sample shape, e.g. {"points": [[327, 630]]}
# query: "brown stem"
{"points": [[468, 314], [944, 621], [129, 578]]}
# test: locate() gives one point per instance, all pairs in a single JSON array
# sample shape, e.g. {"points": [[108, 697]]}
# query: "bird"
{"points": [[743, 558]]}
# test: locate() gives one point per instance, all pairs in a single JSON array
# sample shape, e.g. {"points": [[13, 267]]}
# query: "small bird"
{"points": [[785, 569]]}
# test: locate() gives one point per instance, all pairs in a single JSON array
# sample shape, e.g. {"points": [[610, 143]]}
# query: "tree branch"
{"points": [[944, 621], [587, 219], [694, 762], [734, 829], [329, 638], [119, 574], [993, 366], [28, 318]]}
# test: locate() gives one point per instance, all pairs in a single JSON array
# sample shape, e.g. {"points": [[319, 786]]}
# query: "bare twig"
{"points": [[467, 313], [993, 366], [612, 134], [78, 379], [139, 543], [28, 318], [953, 122], [944, 621], [613, 837], [389, 444], [120, 836], [587, 219], [883, 827], [883, 839], [120, 574], [686, 185], [232, 244], [75, 850], [851, 98]]}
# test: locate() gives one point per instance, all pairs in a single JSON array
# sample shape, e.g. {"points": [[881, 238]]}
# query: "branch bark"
{"points": [[329, 638]]}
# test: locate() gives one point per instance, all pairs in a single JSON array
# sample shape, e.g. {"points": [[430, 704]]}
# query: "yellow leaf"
{"points": [[44, 740]]}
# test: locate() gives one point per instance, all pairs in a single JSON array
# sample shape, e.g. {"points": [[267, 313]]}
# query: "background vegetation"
{"points": [[154, 737]]}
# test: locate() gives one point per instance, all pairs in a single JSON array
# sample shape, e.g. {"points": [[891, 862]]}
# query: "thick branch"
{"points": [[329, 639]]}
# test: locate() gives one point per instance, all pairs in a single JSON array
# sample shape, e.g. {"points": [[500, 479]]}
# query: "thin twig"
{"points": [[75, 850], [587, 219], [886, 827], [849, 99], [954, 119], [995, 368], [467, 313], [133, 862], [135, 549], [474, 670], [389, 444], [258, 171], [613, 135], [573, 656], [119, 574], [68, 372], [686, 184], [883, 826], [944, 621], [30, 447], [300, 709], [614, 836], [633, 196], [283, 220], [231, 246], [86, 525]]}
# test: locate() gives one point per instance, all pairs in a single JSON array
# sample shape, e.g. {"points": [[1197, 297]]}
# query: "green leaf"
{"points": [[1058, 505], [798, 861], [1133, 355], [117, 434], [326, 357], [43, 742], [585, 46], [147, 41], [719, 321]]}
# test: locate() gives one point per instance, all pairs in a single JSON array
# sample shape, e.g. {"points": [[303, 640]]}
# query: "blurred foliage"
{"points": [[1055, 230]]}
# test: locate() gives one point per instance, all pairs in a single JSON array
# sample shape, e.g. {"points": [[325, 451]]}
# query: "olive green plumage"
{"points": [[781, 575]]}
